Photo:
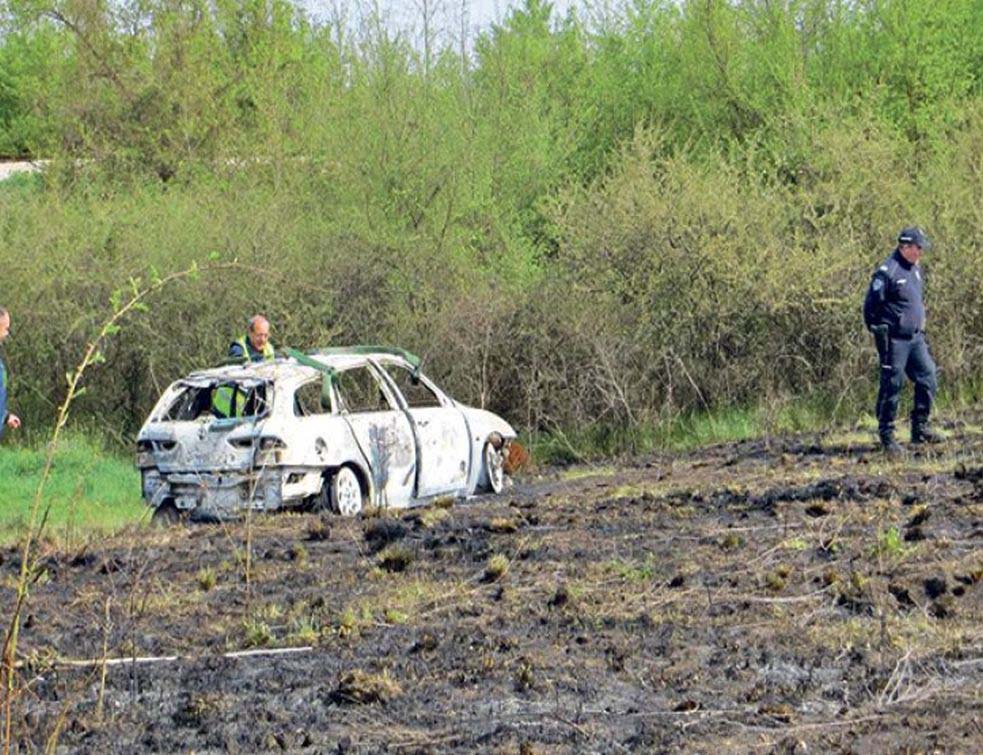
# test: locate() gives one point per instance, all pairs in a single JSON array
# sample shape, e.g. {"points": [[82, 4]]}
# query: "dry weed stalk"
{"points": [[106, 629], [38, 516]]}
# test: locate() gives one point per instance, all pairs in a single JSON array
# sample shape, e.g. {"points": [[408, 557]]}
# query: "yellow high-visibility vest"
{"points": [[222, 396], [222, 401], [268, 354]]}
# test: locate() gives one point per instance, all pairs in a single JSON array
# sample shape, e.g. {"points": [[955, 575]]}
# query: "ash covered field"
{"points": [[802, 594]]}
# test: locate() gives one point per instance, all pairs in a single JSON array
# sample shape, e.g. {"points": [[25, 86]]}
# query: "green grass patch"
{"points": [[634, 570], [90, 491], [706, 428], [682, 433], [579, 473], [956, 396], [842, 421], [22, 184]]}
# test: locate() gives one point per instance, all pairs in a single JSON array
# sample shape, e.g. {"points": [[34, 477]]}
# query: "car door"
{"points": [[442, 434], [314, 417], [382, 431]]}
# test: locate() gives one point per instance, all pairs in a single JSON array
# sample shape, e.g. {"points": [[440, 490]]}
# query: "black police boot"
{"points": [[922, 433], [889, 445]]}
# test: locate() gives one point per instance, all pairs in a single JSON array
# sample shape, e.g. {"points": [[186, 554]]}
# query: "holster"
{"points": [[883, 342]]}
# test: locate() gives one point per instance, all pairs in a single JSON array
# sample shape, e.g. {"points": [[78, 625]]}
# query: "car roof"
{"points": [[281, 368]]}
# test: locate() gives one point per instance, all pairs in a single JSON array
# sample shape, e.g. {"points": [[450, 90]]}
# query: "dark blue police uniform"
{"points": [[895, 313]]}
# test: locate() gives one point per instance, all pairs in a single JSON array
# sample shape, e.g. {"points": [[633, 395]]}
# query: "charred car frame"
{"points": [[336, 429]]}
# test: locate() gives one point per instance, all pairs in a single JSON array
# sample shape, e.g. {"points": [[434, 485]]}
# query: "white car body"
{"points": [[305, 422]]}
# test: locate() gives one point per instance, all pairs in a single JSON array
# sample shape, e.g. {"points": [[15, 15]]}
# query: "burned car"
{"points": [[335, 429]]}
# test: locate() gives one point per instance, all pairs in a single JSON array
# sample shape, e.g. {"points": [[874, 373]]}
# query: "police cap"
{"points": [[916, 236]]}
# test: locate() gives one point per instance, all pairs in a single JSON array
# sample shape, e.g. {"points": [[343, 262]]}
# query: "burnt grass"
{"points": [[799, 594]]}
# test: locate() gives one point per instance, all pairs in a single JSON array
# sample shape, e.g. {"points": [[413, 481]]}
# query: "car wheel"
{"points": [[495, 467], [346, 492], [321, 503]]}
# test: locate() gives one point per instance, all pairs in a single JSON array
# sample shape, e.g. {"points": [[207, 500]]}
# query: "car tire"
{"points": [[347, 496], [321, 503], [494, 461]]}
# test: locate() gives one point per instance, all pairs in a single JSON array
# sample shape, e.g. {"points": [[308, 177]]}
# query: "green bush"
{"points": [[594, 227]]}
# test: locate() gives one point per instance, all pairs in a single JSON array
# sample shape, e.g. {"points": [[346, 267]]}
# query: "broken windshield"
{"points": [[225, 399]]}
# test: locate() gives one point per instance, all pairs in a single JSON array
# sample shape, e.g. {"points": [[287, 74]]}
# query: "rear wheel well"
{"points": [[330, 472], [323, 499], [167, 513]]}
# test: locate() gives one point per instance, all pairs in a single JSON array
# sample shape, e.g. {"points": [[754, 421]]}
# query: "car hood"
{"points": [[483, 423]]}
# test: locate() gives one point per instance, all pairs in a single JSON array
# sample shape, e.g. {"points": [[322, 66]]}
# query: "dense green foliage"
{"points": [[672, 207]]}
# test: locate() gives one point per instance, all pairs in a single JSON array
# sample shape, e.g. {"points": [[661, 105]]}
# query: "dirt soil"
{"points": [[796, 595]]}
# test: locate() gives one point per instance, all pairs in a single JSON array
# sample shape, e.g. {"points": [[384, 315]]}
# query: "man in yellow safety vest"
{"points": [[255, 346]]}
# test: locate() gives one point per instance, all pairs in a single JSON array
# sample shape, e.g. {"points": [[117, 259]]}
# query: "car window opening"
{"points": [[360, 391], [310, 400], [222, 400], [416, 392]]}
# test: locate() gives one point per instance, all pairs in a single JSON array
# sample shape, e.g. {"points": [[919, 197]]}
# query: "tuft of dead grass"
{"points": [[396, 558], [362, 688], [496, 568], [502, 525]]}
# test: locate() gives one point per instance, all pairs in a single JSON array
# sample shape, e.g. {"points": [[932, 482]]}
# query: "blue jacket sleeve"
{"points": [[874, 301], [235, 351]]}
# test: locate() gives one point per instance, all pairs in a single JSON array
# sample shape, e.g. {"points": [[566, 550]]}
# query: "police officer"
{"points": [[6, 418], [255, 346], [895, 314]]}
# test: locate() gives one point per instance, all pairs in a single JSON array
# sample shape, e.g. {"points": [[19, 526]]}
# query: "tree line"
{"points": [[600, 219]]}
